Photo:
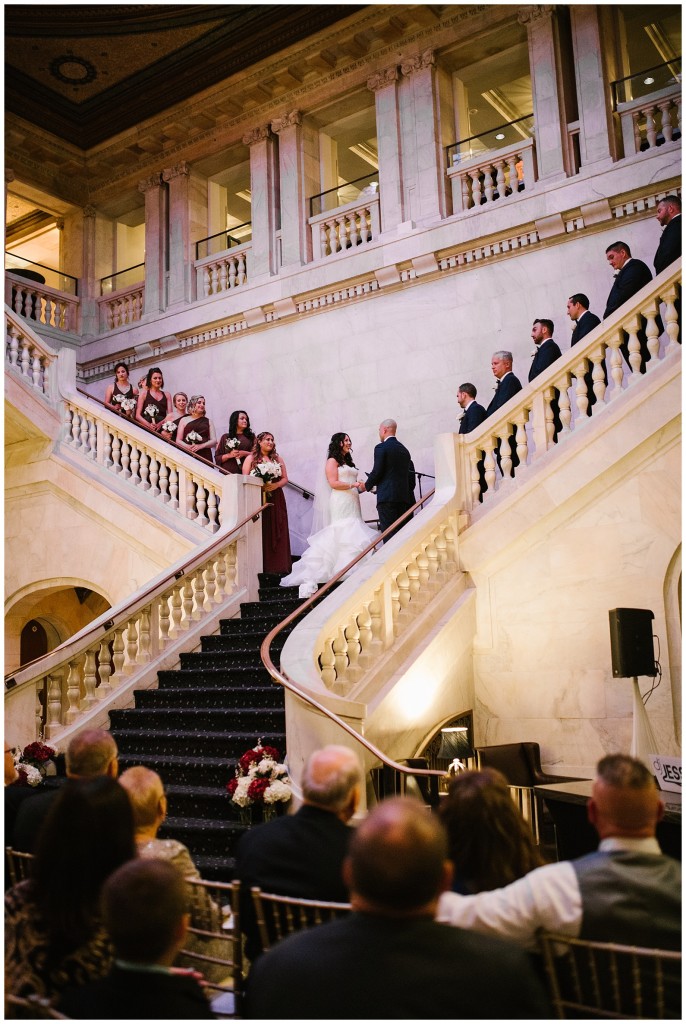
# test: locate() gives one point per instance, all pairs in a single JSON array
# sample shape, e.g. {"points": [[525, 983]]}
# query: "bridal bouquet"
{"points": [[231, 444], [268, 471], [193, 436], [169, 427], [260, 779], [128, 404], [151, 411], [33, 763]]}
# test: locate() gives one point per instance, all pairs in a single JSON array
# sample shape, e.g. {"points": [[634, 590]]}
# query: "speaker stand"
{"points": [[643, 742]]}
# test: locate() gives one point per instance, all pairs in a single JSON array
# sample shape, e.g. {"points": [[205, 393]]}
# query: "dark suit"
{"points": [[30, 818], [584, 325], [138, 995], [668, 251], [368, 967], [546, 354], [507, 387], [392, 475], [474, 415], [633, 276], [297, 855]]}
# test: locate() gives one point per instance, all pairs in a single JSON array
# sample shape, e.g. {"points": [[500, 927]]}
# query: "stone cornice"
{"points": [[418, 62], [380, 79], [180, 170]]}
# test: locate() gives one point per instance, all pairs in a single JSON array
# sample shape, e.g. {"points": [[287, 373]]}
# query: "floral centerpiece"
{"points": [[267, 471], [34, 763], [260, 781]]}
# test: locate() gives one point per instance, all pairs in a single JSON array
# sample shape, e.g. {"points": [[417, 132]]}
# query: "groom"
{"points": [[393, 477]]}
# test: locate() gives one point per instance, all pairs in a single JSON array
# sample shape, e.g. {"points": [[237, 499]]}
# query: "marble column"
{"points": [[89, 289], [596, 127], [186, 201], [424, 132], [298, 181], [264, 202], [9, 178], [384, 85], [546, 86], [155, 243]]}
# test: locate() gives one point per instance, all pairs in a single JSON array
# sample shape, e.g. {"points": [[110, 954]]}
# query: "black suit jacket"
{"points": [[138, 995], [509, 386], [391, 473], [584, 325], [298, 855], [473, 417], [669, 248], [633, 276], [546, 354], [364, 967]]}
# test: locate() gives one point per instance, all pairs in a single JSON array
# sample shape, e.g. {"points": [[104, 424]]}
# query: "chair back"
{"points": [[227, 947], [607, 980], [19, 864], [31, 1007], [279, 916]]}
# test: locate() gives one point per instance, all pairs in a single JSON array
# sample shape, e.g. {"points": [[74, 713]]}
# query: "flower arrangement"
{"points": [[268, 471], [33, 763], [193, 436], [169, 426], [231, 443], [151, 410], [128, 404], [260, 780]]}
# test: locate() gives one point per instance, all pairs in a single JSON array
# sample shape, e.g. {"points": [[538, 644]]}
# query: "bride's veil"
{"points": [[321, 510]]}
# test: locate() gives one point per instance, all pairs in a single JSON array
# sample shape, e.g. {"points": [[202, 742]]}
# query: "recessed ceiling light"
{"points": [[648, 81], [500, 136]]}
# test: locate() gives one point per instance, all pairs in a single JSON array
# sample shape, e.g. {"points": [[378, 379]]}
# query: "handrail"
{"points": [[285, 680], [122, 612]]}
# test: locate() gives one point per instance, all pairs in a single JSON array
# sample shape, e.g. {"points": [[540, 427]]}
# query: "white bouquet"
{"points": [[128, 404], [170, 426], [268, 471], [193, 436], [231, 443], [151, 411]]}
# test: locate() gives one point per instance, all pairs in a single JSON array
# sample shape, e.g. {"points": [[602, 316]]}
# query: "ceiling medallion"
{"points": [[73, 70]]}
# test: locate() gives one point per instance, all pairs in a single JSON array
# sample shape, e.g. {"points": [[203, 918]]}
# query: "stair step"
{"points": [[194, 660], [241, 642], [209, 838], [223, 698], [207, 677], [216, 869], [200, 720], [184, 743]]}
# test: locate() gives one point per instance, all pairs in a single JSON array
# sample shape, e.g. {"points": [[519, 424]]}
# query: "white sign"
{"points": [[667, 771]]}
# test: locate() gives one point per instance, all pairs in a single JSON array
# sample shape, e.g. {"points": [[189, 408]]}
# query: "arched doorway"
{"points": [[33, 642]]}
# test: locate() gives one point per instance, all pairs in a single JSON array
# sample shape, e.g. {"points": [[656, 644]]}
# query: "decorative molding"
{"points": [[259, 134], [180, 170], [531, 13], [154, 181], [419, 62], [295, 117], [89, 212], [380, 79]]}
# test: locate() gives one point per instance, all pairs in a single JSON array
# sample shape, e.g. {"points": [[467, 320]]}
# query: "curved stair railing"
{"points": [[98, 669]]}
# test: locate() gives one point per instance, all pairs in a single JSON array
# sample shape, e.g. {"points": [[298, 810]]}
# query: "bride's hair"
{"points": [[336, 452]]}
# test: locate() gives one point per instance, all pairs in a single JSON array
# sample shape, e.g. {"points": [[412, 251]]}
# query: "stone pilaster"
{"points": [[596, 129], [88, 282], [384, 85], [155, 243], [181, 256], [298, 181], [546, 86], [264, 209]]}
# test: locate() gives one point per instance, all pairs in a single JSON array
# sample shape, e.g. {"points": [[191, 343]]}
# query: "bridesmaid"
{"points": [[276, 544], [196, 432], [121, 396], [154, 404], [229, 456], [170, 427]]}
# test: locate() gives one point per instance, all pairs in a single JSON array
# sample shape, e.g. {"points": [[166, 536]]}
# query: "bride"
{"points": [[338, 531]]}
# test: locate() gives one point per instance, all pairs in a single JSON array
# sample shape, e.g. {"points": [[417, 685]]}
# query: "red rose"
{"points": [[232, 786], [38, 752], [256, 790], [248, 758], [270, 752]]}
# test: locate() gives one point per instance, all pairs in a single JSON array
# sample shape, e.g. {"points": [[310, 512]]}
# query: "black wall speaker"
{"points": [[631, 636]]}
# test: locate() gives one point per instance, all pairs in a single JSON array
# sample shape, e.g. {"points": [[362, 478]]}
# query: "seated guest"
{"points": [[170, 426], [627, 891], [145, 913], [236, 443], [121, 396], [149, 806], [390, 958], [489, 842], [54, 935], [91, 753], [302, 854], [154, 404], [196, 432]]}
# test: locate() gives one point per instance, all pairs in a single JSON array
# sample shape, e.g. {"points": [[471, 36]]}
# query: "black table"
{"points": [[566, 802]]}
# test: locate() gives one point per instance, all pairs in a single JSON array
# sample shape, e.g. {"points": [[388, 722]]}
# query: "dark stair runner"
{"points": [[203, 716]]}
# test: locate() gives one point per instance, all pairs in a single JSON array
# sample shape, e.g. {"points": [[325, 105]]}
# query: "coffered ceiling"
{"points": [[85, 73]]}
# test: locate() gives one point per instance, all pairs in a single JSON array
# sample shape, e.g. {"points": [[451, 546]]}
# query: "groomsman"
{"points": [[547, 351], [631, 276], [669, 249], [584, 321], [474, 414], [507, 385]]}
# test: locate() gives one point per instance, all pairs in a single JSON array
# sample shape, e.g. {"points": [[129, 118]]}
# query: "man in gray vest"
{"points": [[627, 891]]}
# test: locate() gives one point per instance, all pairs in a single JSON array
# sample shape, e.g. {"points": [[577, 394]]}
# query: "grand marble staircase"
{"points": [[193, 728]]}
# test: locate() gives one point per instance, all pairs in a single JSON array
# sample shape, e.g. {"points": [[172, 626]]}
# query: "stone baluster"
{"points": [[220, 277], [53, 713], [220, 578], [327, 661], [176, 611], [651, 127], [548, 396], [489, 187], [501, 184], [566, 409], [352, 222], [424, 574], [25, 357], [477, 186], [474, 482], [116, 453], [164, 619], [73, 693], [135, 462], [505, 452], [598, 375], [667, 130], [191, 511], [489, 464], [144, 470], [324, 247], [442, 550], [616, 364], [36, 371], [198, 587], [395, 604], [465, 187], [125, 458], [414, 586], [451, 547], [106, 448], [403, 584], [632, 327], [232, 272], [187, 601], [364, 626], [212, 509], [241, 269], [14, 344], [131, 647], [105, 670], [154, 475], [90, 680], [231, 568], [376, 617], [118, 655], [210, 586], [92, 439], [41, 689], [201, 502], [173, 487], [340, 651], [652, 334], [144, 650], [83, 432], [353, 649], [365, 225], [343, 225], [163, 480], [433, 561], [637, 131], [520, 436], [671, 318], [206, 286], [75, 428]]}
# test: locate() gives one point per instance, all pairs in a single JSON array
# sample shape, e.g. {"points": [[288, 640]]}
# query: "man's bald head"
{"points": [[91, 753], [625, 800], [398, 863], [331, 780]]}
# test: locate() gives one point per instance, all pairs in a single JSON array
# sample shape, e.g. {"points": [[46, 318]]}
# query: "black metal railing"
{"points": [[123, 278], [223, 240], [23, 267], [343, 194], [502, 137], [643, 83]]}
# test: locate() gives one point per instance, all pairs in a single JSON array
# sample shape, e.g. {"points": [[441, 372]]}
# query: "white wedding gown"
{"points": [[332, 548]]}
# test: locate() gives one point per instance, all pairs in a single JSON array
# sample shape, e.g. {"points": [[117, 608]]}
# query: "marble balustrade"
{"points": [[168, 476], [41, 303], [28, 356], [346, 227], [493, 176], [223, 272], [649, 122], [121, 308]]}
